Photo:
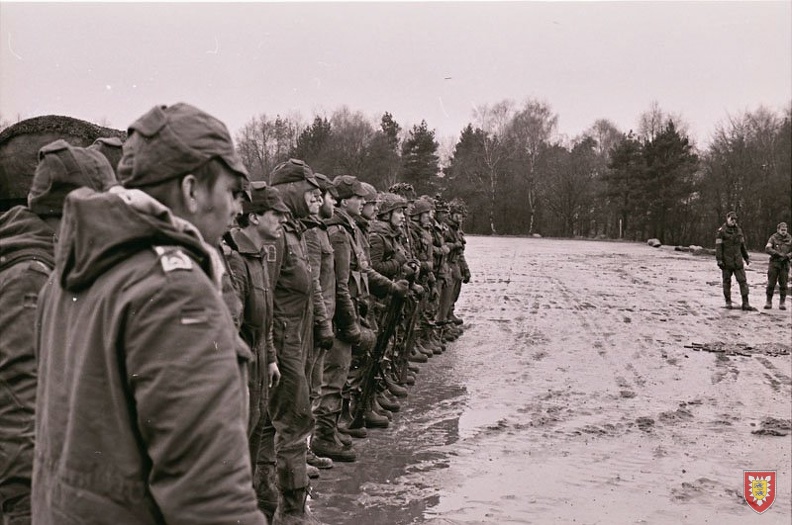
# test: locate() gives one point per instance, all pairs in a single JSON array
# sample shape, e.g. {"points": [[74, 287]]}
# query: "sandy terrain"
{"points": [[573, 397]]}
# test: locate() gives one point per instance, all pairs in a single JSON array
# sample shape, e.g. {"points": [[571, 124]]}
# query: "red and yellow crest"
{"points": [[759, 488]]}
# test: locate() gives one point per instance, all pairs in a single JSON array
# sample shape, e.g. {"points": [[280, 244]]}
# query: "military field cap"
{"points": [[264, 198], [390, 202], [326, 185], [112, 148], [421, 206], [293, 170], [62, 168], [371, 192], [732, 215], [171, 141], [348, 186], [781, 225]]}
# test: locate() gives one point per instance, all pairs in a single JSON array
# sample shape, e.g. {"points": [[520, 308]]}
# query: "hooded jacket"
{"points": [[779, 247], [730, 248], [26, 259], [142, 410]]}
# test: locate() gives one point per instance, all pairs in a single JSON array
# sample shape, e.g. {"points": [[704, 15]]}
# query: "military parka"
{"points": [[779, 247], [142, 395], [730, 248]]}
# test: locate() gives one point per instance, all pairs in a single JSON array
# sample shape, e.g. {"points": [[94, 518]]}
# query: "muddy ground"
{"points": [[573, 397]]}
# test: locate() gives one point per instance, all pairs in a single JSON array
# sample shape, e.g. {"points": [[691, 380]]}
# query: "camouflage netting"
{"points": [[20, 143]]}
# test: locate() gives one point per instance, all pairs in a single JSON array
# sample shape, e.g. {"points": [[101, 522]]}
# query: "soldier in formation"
{"points": [[187, 346]]}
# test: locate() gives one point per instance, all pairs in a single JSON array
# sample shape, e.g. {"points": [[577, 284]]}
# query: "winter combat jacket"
{"points": [[730, 248], [142, 406], [779, 247], [251, 282], [26, 259], [388, 256], [320, 257]]}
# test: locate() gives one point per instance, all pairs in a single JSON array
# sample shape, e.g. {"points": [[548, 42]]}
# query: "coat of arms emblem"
{"points": [[759, 488]]}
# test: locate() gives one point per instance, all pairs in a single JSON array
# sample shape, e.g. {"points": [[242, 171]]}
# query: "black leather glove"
{"points": [[350, 334], [466, 277]]}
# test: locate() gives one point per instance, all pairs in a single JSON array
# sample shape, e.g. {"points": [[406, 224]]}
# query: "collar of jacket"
{"points": [[294, 226], [342, 218], [313, 221], [242, 243], [384, 228]]}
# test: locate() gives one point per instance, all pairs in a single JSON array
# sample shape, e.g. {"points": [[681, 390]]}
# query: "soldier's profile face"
{"points": [[270, 223], [369, 210], [731, 221], [782, 230], [397, 217], [313, 198], [217, 206]]}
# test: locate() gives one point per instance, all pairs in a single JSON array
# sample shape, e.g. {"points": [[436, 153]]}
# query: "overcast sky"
{"points": [[111, 62]]}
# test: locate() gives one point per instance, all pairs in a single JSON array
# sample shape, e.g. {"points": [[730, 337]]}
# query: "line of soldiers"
{"points": [[180, 345]]}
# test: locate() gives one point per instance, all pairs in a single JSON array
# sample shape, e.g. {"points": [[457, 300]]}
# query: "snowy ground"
{"points": [[572, 398]]}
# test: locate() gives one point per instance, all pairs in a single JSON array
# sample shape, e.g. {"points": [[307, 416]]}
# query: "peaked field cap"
{"points": [[264, 198], [325, 184], [371, 192], [348, 186], [293, 170], [112, 148], [171, 141], [63, 168], [732, 214]]}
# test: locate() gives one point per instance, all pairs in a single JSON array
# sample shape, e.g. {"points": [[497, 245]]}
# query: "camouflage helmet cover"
{"points": [[421, 206], [403, 189], [457, 205], [441, 206], [390, 202]]}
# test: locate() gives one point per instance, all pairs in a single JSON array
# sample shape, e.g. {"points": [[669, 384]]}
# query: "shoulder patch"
{"points": [[173, 259]]}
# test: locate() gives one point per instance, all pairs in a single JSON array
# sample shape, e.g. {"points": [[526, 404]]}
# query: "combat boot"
{"points": [[454, 319], [311, 471], [374, 420], [325, 445], [781, 301], [420, 348], [388, 403], [345, 439], [417, 357], [293, 509], [409, 379], [266, 489], [769, 303], [376, 407], [393, 388], [345, 419], [746, 305], [413, 368], [316, 461]]}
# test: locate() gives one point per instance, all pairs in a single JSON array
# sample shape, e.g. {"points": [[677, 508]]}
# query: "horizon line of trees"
{"points": [[519, 177]]}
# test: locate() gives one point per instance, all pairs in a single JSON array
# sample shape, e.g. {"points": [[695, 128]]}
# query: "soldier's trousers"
{"points": [[314, 369], [447, 297], [777, 274], [739, 274], [334, 375], [291, 421]]}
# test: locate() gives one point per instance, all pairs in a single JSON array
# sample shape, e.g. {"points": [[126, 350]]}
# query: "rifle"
{"points": [[369, 385], [402, 361]]}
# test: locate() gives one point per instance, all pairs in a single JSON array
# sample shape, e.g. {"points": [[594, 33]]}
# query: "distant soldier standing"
{"points": [[730, 252], [779, 247]]}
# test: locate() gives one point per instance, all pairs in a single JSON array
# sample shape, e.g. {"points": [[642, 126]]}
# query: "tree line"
{"points": [[519, 177]]}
